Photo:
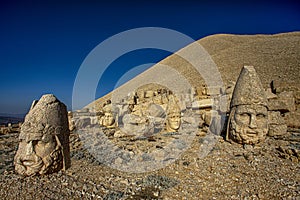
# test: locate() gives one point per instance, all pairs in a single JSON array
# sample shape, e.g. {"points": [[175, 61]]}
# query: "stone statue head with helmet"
{"points": [[44, 139], [248, 119], [173, 116]]}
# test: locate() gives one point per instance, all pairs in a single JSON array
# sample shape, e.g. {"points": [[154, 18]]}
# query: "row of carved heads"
{"points": [[173, 120], [44, 137]]}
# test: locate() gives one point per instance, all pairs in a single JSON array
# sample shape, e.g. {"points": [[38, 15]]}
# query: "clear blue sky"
{"points": [[42, 44]]}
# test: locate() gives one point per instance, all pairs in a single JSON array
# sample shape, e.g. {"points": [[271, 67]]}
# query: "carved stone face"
{"points": [[108, 119], [248, 124], [38, 154], [173, 122], [44, 139]]}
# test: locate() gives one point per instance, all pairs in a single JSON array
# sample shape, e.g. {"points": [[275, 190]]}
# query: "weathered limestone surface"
{"points": [[276, 130], [292, 119], [71, 121], [203, 103], [277, 125], [108, 118], [173, 117], [270, 94], [284, 103], [44, 139], [248, 120]]}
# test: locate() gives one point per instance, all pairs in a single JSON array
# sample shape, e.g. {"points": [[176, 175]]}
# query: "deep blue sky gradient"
{"points": [[42, 44]]}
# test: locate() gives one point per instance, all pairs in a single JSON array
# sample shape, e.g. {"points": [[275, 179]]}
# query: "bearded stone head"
{"points": [[248, 120], [44, 139]]}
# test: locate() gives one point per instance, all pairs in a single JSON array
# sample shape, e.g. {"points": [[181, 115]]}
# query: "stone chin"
{"points": [[108, 123], [245, 135], [173, 126]]}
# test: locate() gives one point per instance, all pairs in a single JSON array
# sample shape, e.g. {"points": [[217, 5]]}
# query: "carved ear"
{"points": [[34, 102], [232, 111]]}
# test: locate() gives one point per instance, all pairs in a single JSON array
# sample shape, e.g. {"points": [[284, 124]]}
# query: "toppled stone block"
{"points": [[216, 124], [156, 111], [276, 130], [214, 90], [277, 124], [82, 122], [284, 103], [292, 119], [224, 104], [275, 118], [278, 87], [94, 120], [203, 103]]}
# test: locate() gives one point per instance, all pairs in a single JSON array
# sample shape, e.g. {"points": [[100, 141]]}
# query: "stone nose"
{"points": [[29, 148], [253, 123]]}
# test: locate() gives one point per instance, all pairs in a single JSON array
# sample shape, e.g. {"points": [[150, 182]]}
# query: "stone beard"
{"points": [[38, 155], [248, 124]]}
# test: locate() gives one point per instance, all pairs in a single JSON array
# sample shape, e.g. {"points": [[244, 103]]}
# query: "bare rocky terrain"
{"points": [[269, 170]]}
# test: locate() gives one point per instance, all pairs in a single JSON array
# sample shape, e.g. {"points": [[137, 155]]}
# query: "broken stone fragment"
{"points": [[82, 122], [277, 124], [276, 130], [214, 90], [292, 119], [275, 118], [203, 103], [284, 103]]}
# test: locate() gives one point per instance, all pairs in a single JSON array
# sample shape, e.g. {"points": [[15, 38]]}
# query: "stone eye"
{"points": [[244, 115], [260, 115], [46, 138]]}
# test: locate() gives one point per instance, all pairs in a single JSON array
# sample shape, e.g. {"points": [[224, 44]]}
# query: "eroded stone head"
{"points": [[108, 119], [173, 116], [248, 120], [44, 139]]}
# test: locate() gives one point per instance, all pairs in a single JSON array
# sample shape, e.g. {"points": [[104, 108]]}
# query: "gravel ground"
{"points": [[229, 171]]}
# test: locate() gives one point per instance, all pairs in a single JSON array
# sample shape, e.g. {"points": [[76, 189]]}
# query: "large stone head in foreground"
{"points": [[248, 120], [44, 138]]}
